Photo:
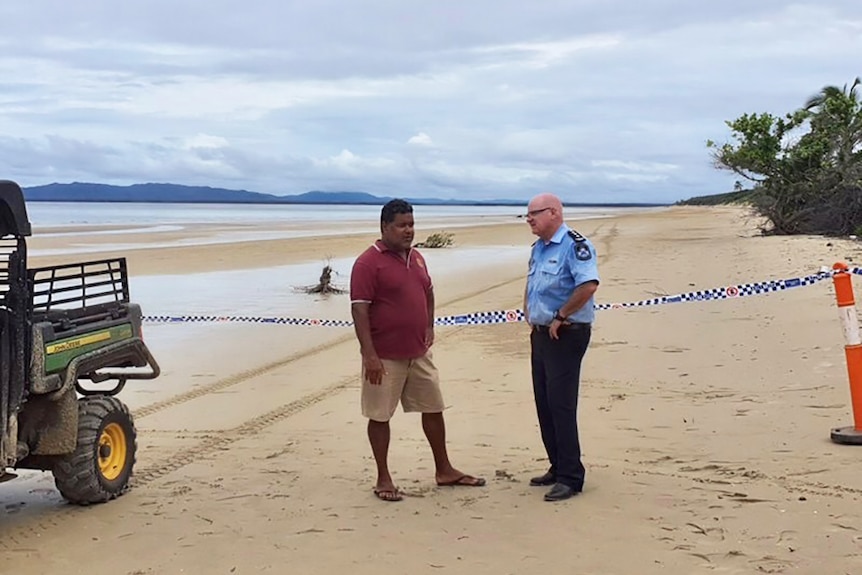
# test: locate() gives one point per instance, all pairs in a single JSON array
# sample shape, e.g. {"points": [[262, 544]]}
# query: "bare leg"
{"points": [[435, 430], [378, 436]]}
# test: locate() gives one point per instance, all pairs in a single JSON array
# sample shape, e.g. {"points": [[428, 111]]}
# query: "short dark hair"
{"points": [[393, 208]]}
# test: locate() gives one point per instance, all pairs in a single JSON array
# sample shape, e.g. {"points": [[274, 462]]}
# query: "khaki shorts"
{"points": [[413, 382]]}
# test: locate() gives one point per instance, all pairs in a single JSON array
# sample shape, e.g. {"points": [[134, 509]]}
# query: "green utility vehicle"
{"points": [[62, 327]]}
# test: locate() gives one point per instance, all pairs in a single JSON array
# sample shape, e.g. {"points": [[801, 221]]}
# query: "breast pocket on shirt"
{"points": [[552, 268]]}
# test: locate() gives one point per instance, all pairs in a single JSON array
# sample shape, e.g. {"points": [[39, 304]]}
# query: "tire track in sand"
{"points": [[243, 376], [15, 538], [251, 427]]}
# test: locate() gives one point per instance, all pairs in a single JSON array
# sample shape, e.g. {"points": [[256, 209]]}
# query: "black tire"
{"points": [[101, 466]]}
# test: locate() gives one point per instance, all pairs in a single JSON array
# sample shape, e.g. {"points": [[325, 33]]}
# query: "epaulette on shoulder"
{"points": [[582, 248], [576, 236]]}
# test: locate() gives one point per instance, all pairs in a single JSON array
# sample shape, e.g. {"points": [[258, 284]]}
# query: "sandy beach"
{"points": [[705, 424]]}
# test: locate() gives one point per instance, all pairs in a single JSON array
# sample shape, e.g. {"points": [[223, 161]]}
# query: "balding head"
{"points": [[545, 215], [547, 200]]}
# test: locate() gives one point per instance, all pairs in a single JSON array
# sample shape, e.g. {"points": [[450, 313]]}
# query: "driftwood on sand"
{"points": [[324, 285]]}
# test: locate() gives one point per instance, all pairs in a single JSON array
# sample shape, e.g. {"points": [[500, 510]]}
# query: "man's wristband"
{"points": [[558, 317]]}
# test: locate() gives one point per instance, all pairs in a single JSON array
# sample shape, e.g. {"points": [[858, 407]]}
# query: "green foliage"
{"points": [[438, 240], [805, 167], [735, 197]]}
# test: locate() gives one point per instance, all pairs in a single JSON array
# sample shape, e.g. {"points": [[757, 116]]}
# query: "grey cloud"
{"points": [[515, 97]]}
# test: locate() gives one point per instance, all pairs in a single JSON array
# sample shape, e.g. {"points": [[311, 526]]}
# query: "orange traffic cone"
{"points": [[852, 352]]}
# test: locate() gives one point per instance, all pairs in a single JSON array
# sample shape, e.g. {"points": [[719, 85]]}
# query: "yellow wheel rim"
{"points": [[112, 451]]}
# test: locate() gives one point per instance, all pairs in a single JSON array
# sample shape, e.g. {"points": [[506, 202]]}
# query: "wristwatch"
{"points": [[558, 317]]}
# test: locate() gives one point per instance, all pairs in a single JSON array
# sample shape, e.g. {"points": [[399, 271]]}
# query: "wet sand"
{"points": [[705, 425]]}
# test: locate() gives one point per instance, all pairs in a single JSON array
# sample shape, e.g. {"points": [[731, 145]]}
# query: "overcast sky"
{"points": [[596, 100]]}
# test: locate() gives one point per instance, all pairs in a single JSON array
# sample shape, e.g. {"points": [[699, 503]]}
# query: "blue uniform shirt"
{"points": [[556, 269]]}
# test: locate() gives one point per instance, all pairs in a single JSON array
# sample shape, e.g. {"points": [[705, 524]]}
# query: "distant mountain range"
{"points": [[174, 193]]}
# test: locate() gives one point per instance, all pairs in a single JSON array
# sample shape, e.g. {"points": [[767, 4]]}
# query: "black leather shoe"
{"points": [[543, 480], [559, 492]]}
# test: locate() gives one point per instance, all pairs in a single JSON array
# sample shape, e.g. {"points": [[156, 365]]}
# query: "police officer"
{"points": [[558, 305]]}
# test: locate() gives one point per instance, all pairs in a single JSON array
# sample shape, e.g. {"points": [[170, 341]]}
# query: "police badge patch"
{"points": [[582, 252]]}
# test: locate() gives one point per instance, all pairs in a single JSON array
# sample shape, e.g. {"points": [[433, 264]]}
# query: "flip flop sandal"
{"points": [[391, 495]]}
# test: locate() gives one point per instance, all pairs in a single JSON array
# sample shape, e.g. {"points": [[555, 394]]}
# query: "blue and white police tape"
{"points": [[517, 315]]}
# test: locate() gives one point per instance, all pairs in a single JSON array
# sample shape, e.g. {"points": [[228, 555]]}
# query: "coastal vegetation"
{"points": [[438, 240], [801, 172], [736, 197]]}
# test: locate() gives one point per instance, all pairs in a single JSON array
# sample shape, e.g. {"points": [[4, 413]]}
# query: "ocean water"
{"points": [[61, 214], [85, 226], [265, 292], [277, 291]]}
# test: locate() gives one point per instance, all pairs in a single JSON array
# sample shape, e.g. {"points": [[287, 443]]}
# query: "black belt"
{"points": [[564, 326]]}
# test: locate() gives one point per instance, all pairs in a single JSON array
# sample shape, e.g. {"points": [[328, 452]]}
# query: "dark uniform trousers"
{"points": [[556, 366]]}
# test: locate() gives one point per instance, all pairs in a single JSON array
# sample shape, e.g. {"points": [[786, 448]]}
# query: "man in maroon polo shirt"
{"points": [[392, 302]]}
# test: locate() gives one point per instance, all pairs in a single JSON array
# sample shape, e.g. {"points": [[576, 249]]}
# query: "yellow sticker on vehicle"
{"points": [[78, 342]]}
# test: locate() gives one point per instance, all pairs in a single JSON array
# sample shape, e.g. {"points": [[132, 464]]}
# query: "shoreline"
{"points": [[376, 204], [210, 247]]}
